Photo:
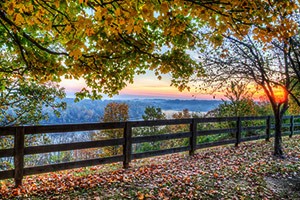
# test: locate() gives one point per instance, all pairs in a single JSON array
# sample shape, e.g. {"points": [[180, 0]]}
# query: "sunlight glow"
{"points": [[280, 94], [144, 86]]}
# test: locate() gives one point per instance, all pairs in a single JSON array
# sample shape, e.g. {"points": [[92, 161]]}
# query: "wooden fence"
{"points": [[20, 150]]}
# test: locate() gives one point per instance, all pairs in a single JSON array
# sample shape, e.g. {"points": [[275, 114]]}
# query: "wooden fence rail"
{"points": [[19, 151]]}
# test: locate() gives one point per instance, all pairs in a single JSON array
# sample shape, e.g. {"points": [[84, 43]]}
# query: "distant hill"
{"points": [[91, 111]]}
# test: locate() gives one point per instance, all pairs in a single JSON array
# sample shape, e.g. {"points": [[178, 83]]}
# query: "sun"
{"points": [[280, 94]]}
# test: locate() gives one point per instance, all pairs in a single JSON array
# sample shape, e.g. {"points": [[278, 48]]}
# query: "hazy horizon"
{"points": [[145, 86]]}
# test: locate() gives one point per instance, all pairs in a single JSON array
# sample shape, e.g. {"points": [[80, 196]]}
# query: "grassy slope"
{"points": [[215, 173]]}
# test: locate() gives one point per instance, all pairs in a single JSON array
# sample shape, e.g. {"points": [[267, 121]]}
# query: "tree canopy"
{"points": [[24, 103], [271, 65], [107, 42]]}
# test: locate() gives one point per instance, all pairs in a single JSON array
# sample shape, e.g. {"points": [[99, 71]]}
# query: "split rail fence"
{"points": [[19, 150]]}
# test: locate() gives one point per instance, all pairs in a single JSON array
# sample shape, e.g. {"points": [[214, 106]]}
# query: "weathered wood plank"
{"points": [[268, 128], [7, 131], [285, 133], [19, 143], [272, 126], [127, 147], [213, 144], [160, 122], [6, 174], [285, 126], [250, 128], [72, 146], [115, 125], [160, 152], [286, 117], [238, 135], [254, 118], [292, 126], [6, 153], [215, 119], [71, 165], [62, 128], [154, 138], [19, 151], [193, 137], [253, 138]]}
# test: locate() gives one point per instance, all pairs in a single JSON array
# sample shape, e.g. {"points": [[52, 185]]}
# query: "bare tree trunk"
{"points": [[278, 151], [279, 111]]}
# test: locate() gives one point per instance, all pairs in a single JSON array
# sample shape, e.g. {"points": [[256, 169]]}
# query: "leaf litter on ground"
{"points": [[249, 171]]}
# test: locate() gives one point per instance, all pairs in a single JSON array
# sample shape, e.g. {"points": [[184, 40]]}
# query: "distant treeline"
{"points": [[91, 111]]}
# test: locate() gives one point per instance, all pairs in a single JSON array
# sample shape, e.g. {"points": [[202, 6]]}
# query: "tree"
{"points": [[152, 113], [24, 102], [293, 56], [182, 115], [113, 112], [239, 102], [107, 42], [294, 108], [262, 63]]}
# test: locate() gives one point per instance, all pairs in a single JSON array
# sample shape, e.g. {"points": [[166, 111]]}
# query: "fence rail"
{"points": [[19, 151]]}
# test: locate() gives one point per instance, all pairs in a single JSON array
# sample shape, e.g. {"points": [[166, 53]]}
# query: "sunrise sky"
{"points": [[145, 86]]}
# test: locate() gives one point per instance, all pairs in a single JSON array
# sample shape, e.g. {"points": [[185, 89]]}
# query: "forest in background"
{"points": [[91, 111], [148, 109]]}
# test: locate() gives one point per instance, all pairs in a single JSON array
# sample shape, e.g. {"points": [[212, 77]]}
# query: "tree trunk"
{"points": [[278, 151]]}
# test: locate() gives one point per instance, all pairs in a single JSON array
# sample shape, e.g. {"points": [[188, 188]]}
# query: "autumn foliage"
{"points": [[107, 42], [113, 112]]}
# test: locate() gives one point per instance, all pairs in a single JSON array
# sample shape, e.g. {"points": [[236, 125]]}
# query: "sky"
{"points": [[145, 86]]}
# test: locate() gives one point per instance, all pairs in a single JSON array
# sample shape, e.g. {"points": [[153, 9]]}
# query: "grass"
{"points": [[245, 172]]}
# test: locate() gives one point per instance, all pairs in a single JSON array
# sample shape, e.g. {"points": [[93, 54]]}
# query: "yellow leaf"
{"points": [[122, 21], [118, 12], [108, 21], [56, 3], [141, 196], [147, 12], [137, 29], [76, 54], [100, 12], [11, 8], [89, 31], [19, 19], [68, 28], [164, 7], [129, 29]]}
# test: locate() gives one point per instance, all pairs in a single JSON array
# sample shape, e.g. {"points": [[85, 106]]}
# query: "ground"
{"points": [[288, 187], [249, 171]]}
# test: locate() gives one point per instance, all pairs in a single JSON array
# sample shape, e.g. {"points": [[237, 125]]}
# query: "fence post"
{"points": [[19, 140], [291, 126], [238, 131], [268, 128], [127, 145], [193, 138]]}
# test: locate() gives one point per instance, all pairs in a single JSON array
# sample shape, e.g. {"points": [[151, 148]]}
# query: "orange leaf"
{"points": [[216, 175]]}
